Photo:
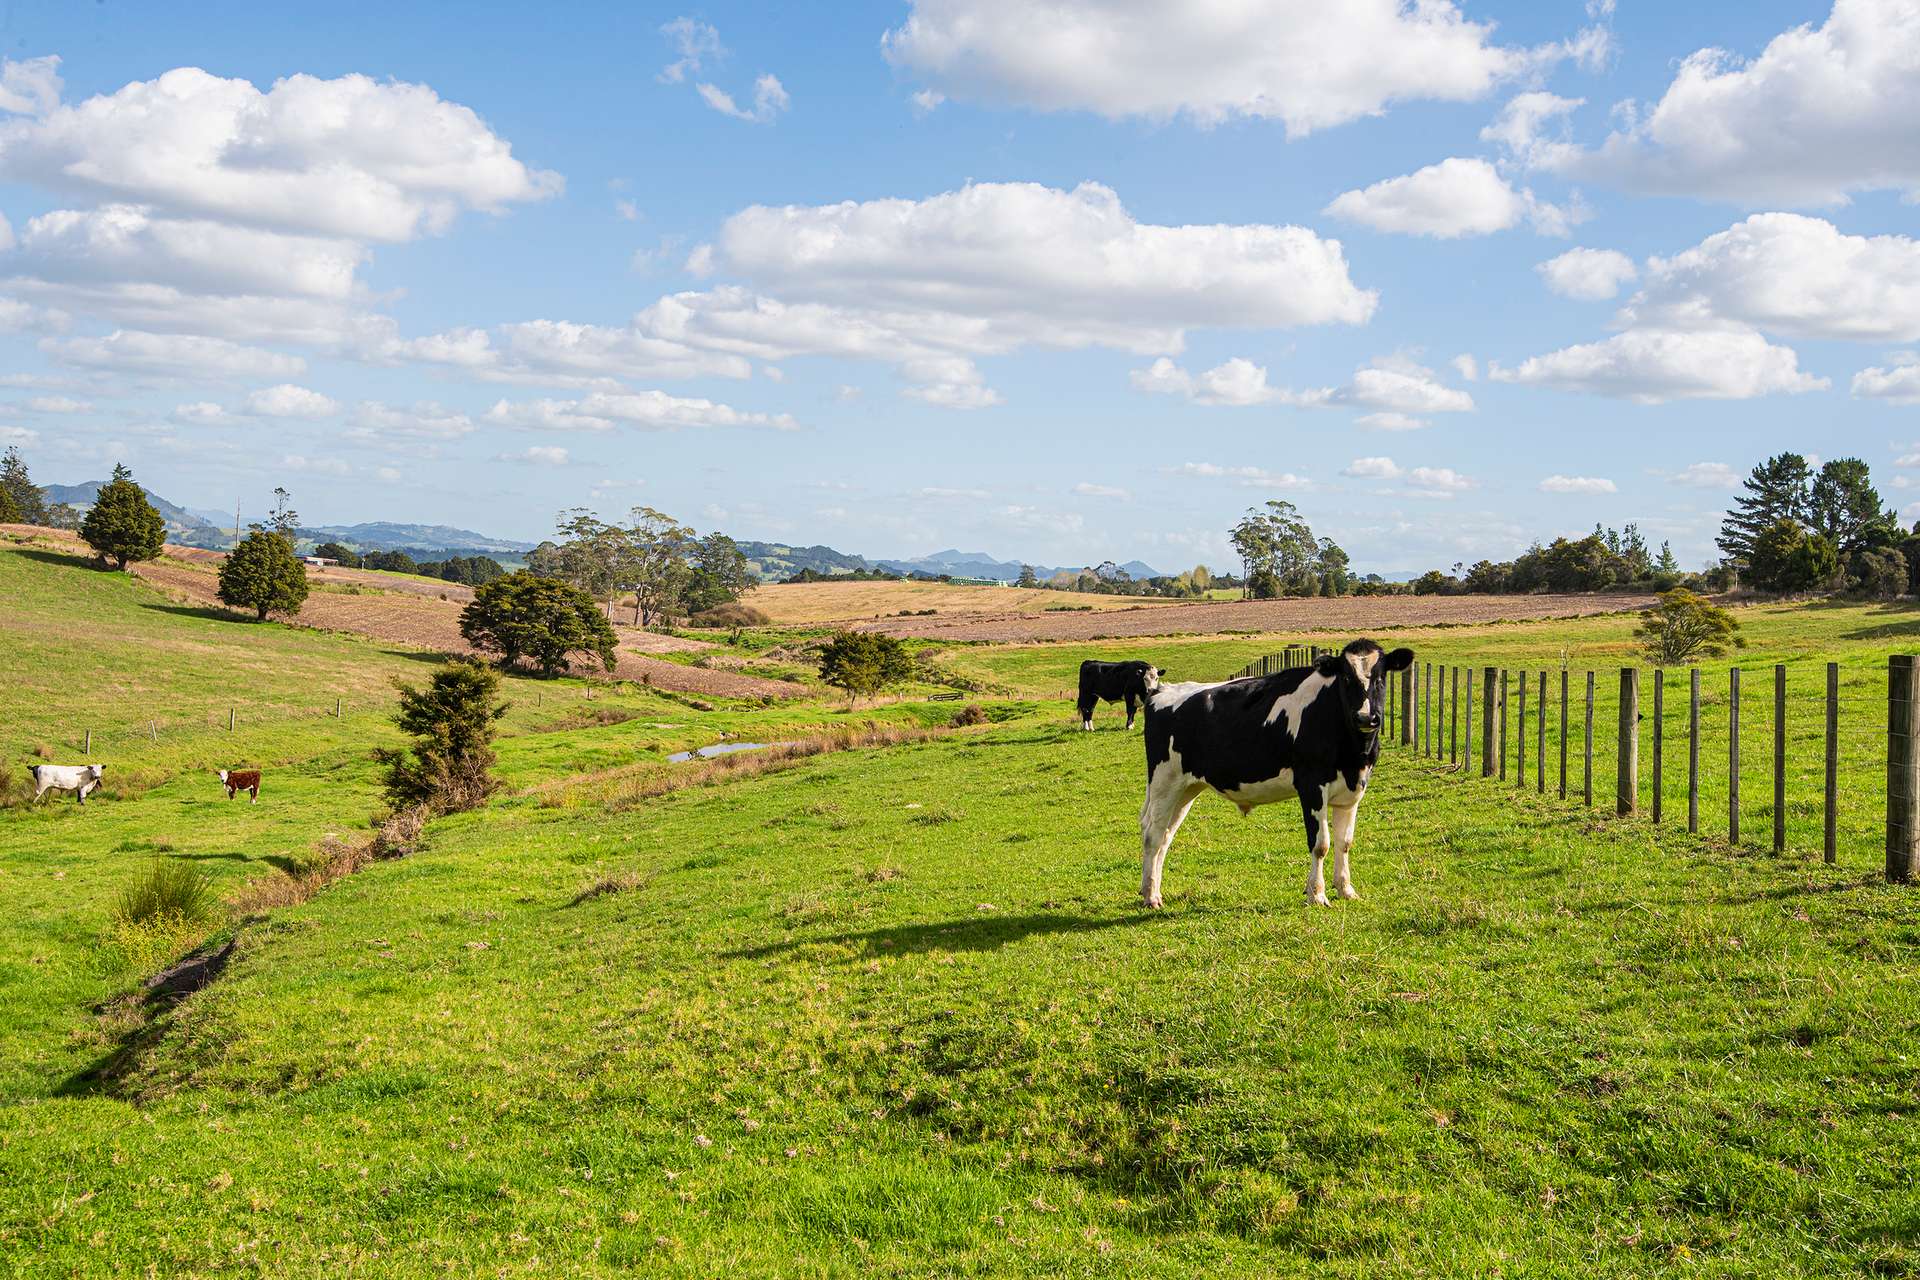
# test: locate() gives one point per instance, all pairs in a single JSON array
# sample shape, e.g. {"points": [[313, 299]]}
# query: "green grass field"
{"points": [[896, 1011]]}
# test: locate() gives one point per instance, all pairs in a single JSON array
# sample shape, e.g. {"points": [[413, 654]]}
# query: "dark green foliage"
{"points": [[1787, 557], [525, 615], [1844, 508], [472, 571], [264, 575], [122, 525], [9, 509], [1280, 555], [864, 662], [27, 502], [169, 889], [1775, 491], [452, 723], [1880, 575], [720, 575], [1684, 627], [389, 562], [347, 556]]}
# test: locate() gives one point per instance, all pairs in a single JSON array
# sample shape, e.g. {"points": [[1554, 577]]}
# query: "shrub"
{"points": [[971, 714], [731, 614], [864, 662], [1684, 627], [122, 525], [1879, 575], [264, 575], [170, 889], [543, 619], [452, 722]]}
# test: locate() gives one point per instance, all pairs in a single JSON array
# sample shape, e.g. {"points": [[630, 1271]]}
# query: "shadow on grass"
{"points": [[207, 612], [969, 933], [281, 861], [60, 558], [145, 1011], [1903, 618]]}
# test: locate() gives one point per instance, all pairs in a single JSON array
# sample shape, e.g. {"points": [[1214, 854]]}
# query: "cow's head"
{"points": [[96, 770], [1151, 676], [1360, 673], [222, 773]]}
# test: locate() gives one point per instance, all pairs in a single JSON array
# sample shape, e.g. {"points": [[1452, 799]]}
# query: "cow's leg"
{"points": [[1313, 804], [1343, 821], [1086, 713], [256, 796], [39, 790], [1160, 817], [1130, 707]]}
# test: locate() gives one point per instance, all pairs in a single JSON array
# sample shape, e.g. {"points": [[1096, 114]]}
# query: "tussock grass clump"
{"points": [[938, 816], [729, 615], [169, 888], [971, 714], [610, 883], [399, 833]]}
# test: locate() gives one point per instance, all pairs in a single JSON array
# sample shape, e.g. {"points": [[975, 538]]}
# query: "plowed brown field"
{"points": [[1344, 614], [416, 615]]}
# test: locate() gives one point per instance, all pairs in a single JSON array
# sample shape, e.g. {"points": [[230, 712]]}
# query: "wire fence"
{"points": [[1800, 756]]}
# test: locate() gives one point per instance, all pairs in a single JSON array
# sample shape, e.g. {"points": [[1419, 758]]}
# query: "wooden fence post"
{"points": [[1486, 723], [1563, 733], [229, 719], [1779, 758], [1828, 843], [1503, 724], [1466, 733], [1903, 772], [1453, 722], [1426, 721], [1586, 768], [1520, 744], [1406, 707], [1540, 742], [87, 750], [1626, 788], [1440, 723], [1733, 756], [1659, 740], [336, 707], [1693, 753], [153, 730]]}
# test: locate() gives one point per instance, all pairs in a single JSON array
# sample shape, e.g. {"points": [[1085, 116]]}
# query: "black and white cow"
{"points": [[1115, 682], [1311, 732]]}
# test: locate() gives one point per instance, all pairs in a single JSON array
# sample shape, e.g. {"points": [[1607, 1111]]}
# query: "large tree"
{"points": [[452, 722], [122, 525], [1278, 552], [29, 503], [525, 615], [720, 574], [864, 662], [264, 575], [1844, 508], [1776, 490], [657, 565]]}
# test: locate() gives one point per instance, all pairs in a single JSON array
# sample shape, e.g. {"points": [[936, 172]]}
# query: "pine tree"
{"points": [[1844, 507], [264, 575], [122, 525], [9, 513], [1776, 490], [28, 502]]}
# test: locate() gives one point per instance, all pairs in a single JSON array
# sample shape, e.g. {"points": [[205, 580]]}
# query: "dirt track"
{"points": [[415, 614], [1344, 614]]}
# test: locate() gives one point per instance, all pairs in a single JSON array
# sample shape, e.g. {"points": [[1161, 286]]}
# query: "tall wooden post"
{"points": [[1466, 734], [87, 749], [1693, 753], [1453, 722], [1626, 788], [1733, 756], [1828, 844], [1586, 768], [229, 719], [1564, 722], [1503, 726], [1540, 742], [1779, 758], [1486, 723], [1659, 740], [1520, 755], [1406, 707], [1903, 773]]}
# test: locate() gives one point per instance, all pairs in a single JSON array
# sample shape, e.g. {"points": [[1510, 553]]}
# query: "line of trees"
{"points": [[1280, 556], [1604, 560], [667, 569], [1797, 529], [471, 571]]}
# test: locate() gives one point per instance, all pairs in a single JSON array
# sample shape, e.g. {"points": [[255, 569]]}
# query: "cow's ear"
{"points": [[1399, 659]]}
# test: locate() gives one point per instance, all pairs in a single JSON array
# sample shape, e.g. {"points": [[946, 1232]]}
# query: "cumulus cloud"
{"points": [[1792, 275], [57, 404], [1577, 484], [325, 466], [1237, 382], [540, 455], [642, 410], [29, 87], [1393, 387], [1588, 275], [352, 157], [1372, 469], [1706, 475], [1086, 490], [1306, 63], [1396, 385], [769, 100], [1437, 482], [375, 422], [694, 41], [1898, 382], [1651, 366], [1467, 367], [289, 401], [1518, 129], [172, 355], [1822, 112], [1456, 197], [1390, 421], [1247, 477]]}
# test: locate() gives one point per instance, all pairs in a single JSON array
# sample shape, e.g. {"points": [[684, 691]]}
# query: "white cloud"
{"points": [[1248, 477], [30, 87], [945, 494], [644, 410], [1898, 383], [1403, 387], [693, 41], [1821, 112], [315, 466], [1517, 129], [540, 455], [352, 157], [1238, 383], [1390, 421], [627, 209], [1792, 275], [377, 423], [57, 404], [1707, 475], [1395, 388], [769, 100], [1086, 490], [1437, 482], [1467, 367], [172, 355], [200, 413], [289, 401], [1588, 275], [1651, 366], [18, 435], [1456, 197], [1372, 469], [1305, 62], [926, 100], [1577, 484]]}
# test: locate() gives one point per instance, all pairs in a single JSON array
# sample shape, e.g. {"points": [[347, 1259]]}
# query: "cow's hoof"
{"points": [[1152, 904], [1319, 900], [1350, 893]]}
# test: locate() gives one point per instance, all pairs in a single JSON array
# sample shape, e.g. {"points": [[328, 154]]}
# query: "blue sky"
{"points": [[902, 276]]}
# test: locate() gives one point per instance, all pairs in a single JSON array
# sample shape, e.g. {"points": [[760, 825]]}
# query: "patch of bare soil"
{"points": [[1357, 614]]}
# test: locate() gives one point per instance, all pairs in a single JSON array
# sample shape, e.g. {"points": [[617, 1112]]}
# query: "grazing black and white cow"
{"points": [[1311, 732], [80, 778], [1115, 682]]}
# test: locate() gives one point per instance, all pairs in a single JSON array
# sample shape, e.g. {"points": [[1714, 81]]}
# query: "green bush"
{"points": [[264, 575], [525, 615], [452, 722], [122, 525], [170, 889], [864, 662]]}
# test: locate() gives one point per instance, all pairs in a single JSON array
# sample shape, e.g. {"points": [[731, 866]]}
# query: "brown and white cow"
{"points": [[238, 780]]}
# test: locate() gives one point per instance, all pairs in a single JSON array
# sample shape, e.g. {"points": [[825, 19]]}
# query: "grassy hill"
{"points": [[895, 1012]]}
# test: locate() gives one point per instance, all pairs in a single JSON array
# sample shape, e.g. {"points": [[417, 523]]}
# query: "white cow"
{"points": [[65, 777]]}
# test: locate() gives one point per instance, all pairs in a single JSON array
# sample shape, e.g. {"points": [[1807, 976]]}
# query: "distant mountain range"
{"points": [[199, 527]]}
